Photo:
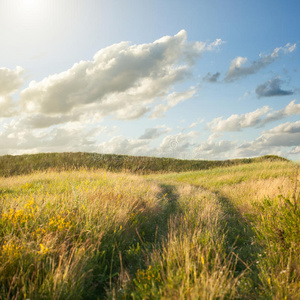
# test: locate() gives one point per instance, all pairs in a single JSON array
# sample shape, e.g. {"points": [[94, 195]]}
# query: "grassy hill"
{"points": [[25, 164], [227, 230]]}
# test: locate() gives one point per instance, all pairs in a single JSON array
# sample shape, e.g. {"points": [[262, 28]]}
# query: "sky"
{"points": [[205, 79]]}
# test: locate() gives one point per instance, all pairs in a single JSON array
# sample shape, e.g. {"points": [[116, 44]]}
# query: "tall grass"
{"points": [[265, 198], [192, 262], [224, 233], [62, 234]]}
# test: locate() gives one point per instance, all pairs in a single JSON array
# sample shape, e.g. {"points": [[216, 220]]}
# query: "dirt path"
{"points": [[239, 238]]}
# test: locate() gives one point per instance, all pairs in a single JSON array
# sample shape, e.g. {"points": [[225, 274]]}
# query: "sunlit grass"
{"points": [[61, 229], [192, 262], [225, 233], [265, 196]]}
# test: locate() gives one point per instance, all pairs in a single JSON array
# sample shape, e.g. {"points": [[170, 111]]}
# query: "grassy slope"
{"points": [[24, 164], [222, 233], [262, 204]]}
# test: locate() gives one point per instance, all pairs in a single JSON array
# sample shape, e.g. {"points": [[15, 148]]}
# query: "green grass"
{"points": [[25, 164], [229, 230]]}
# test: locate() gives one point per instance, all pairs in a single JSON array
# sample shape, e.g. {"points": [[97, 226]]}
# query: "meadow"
{"points": [[71, 229]]}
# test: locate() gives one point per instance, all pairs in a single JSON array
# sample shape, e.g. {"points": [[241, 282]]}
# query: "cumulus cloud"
{"points": [[193, 49], [7, 107], [295, 150], [270, 141], [237, 122], [120, 80], [257, 118], [291, 109], [288, 128], [42, 121], [176, 145], [272, 88], [153, 133], [124, 146], [237, 69], [211, 77], [16, 139], [180, 145], [213, 149], [10, 80]]}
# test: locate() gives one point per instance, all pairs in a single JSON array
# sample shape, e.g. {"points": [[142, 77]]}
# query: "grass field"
{"points": [[227, 231]]}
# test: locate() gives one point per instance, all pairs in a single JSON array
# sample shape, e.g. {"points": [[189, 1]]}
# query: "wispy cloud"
{"points": [[237, 68], [237, 122], [172, 100], [291, 109], [194, 124], [154, 133], [257, 118]]}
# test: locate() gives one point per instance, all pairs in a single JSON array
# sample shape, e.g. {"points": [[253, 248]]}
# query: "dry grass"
{"points": [[57, 227], [263, 205], [192, 262], [225, 233]]}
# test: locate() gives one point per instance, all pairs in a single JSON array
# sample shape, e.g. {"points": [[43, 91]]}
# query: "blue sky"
{"points": [[187, 79]]}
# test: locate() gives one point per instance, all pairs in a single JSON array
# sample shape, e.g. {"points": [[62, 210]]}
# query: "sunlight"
{"points": [[30, 6]]}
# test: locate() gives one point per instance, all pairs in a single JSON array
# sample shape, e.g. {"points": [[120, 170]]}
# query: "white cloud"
{"points": [[7, 107], [256, 118], [214, 136], [295, 150], [176, 145], [44, 121], [17, 139], [172, 100], [237, 69], [237, 122], [285, 128], [194, 124], [290, 110], [212, 149], [271, 141], [10, 80], [121, 80], [121, 145]]}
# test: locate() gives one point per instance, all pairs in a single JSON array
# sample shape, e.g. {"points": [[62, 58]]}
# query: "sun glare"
{"points": [[30, 11], [30, 6]]}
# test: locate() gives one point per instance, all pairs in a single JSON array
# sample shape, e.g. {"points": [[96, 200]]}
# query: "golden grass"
{"points": [[192, 262], [265, 196], [55, 224], [225, 233]]}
